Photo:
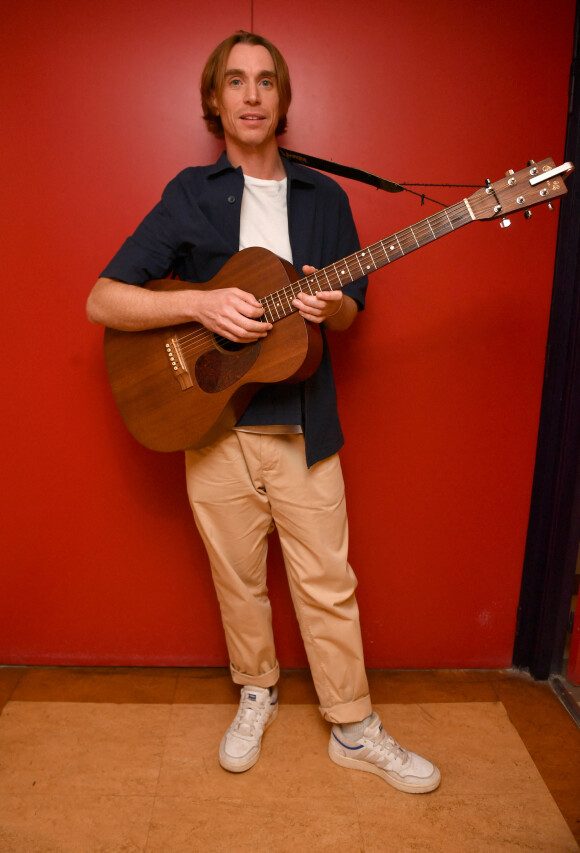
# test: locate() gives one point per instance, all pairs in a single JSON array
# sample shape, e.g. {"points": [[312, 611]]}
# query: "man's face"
{"points": [[248, 103]]}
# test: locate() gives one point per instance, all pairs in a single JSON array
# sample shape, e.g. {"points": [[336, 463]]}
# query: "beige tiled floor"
{"points": [[125, 760]]}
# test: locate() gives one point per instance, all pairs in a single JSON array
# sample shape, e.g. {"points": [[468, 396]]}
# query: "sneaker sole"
{"points": [[425, 787], [233, 767]]}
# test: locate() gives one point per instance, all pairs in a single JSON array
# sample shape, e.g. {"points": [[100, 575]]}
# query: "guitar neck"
{"points": [[278, 305]]}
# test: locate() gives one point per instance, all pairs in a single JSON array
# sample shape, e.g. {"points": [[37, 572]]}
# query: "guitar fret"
{"points": [[276, 304], [336, 276], [406, 240], [424, 237], [363, 254], [290, 306], [385, 251], [327, 279], [354, 268], [267, 313], [346, 269], [273, 307], [343, 271]]}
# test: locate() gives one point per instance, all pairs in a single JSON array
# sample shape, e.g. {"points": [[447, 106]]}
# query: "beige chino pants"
{"points": [[237, 487]]}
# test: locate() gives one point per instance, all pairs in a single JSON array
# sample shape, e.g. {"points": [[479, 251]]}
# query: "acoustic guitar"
{"points": [[182, 386]]}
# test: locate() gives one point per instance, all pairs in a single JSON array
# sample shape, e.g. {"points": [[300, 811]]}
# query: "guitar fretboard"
{"points": [[278, 305]]}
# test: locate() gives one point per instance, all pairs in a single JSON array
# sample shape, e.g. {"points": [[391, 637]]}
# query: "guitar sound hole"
{"points": [[226, 345]]}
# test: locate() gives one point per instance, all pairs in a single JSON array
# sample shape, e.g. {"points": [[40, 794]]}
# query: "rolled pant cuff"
{"points": [[350, 712], [266, 679]]}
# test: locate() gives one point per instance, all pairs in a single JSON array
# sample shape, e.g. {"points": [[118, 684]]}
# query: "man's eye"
{"points": [[267, 83]]}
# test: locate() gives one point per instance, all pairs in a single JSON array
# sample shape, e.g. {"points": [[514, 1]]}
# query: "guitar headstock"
{"points": [[538, 183]]}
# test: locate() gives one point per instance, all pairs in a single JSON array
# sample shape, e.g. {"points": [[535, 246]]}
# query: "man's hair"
{"points": [[213, 76]]}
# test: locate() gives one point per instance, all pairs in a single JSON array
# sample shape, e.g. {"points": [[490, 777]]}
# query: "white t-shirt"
{"points": [[264, 216]]}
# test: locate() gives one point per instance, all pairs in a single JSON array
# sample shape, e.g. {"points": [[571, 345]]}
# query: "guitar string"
{"points": [[405, 241]]}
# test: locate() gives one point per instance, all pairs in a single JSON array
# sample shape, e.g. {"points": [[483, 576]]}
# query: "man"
{"points": [[280, 464]]}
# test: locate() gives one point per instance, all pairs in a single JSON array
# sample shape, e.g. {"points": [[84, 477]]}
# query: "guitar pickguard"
{"points": [[217, 370]]}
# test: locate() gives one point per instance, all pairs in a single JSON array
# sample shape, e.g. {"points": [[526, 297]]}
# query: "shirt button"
{"points": [[231, 199]]}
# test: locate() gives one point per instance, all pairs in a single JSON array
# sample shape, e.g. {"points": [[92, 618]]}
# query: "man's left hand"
{"points": [[318, 307]]}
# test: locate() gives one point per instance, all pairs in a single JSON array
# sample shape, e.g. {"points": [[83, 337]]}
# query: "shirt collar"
{"points": [[222, 165], [296, 173]]}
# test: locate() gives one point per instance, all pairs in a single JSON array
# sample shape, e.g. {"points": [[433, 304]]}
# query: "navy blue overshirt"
{"points": [[194, 230]]}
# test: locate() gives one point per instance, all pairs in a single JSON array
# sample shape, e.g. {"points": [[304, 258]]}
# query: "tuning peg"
{"points": [[528, 214], [505, 223]]}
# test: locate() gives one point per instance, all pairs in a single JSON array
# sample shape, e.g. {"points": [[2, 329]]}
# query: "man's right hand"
{"points": [[232, 313]]}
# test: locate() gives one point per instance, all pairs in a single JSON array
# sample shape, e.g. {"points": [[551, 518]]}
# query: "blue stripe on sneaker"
{"points": [[346, 746]]}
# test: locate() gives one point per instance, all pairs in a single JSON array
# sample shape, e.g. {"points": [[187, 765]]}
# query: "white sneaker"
{"points": [[241, 744], [376, 752]]}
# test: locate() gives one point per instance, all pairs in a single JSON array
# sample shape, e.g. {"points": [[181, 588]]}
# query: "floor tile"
{"points": [[74, 823], [67, 748], [182, 825], [494, 823]]}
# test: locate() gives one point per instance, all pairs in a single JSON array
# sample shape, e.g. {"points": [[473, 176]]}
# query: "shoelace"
{"points": [[386, 745], [249, 714]]}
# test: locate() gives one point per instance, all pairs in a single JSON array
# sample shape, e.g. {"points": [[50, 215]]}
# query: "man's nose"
{"points": [[252, 93]]}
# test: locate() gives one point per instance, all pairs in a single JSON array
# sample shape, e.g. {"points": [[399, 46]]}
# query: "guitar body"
{"points": [[181, 387]]}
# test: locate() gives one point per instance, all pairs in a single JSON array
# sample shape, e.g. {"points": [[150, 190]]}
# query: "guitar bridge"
{"points": [[177, 363]]}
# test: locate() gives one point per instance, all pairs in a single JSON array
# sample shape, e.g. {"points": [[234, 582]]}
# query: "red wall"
{"points": [[439, 382]]}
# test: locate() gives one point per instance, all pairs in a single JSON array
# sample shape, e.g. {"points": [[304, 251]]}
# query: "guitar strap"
{"points": [[364, 177], [343, 171]]}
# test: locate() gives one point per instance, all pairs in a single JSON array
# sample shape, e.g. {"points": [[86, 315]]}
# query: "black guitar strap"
{"points": [[364, 177], [343, 171]]}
